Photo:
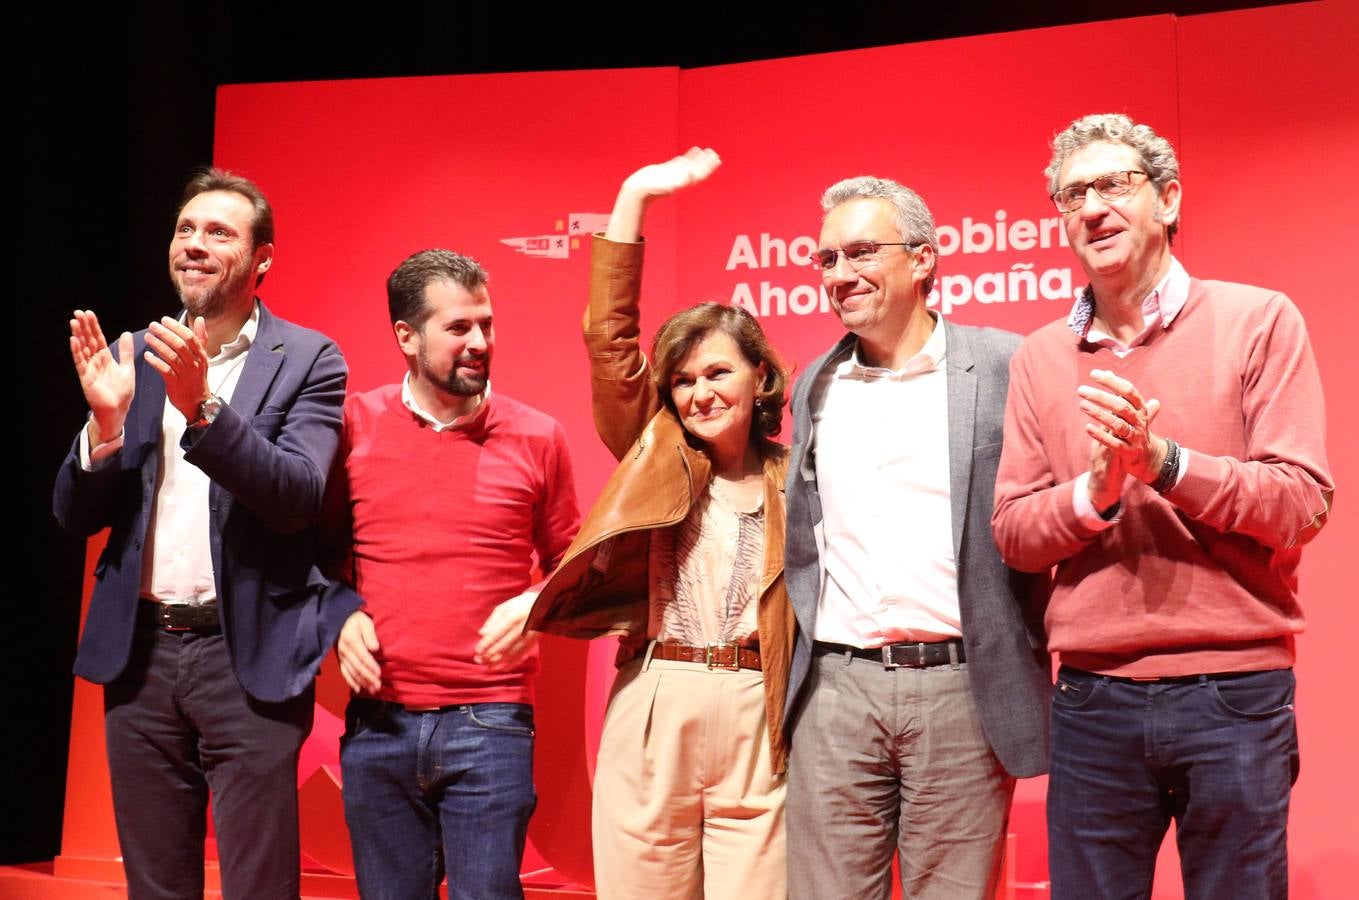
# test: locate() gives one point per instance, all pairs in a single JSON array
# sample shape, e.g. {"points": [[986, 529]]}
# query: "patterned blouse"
{"points": [[705, 575]]}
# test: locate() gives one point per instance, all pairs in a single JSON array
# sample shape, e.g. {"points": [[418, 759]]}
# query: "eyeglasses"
{"points": [[857, 254], [1109, 187]]}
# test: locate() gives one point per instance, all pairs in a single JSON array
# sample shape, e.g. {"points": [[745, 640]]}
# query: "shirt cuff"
{"points": [[92, 458], [1085, 510]]}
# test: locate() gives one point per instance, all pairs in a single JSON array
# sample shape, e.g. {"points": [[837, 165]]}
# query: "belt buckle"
{"points": [[163, 614], [889, 663], [712, 662]]}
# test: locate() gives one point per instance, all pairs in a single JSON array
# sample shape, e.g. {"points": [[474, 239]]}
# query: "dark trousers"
{"points": [[1218, 754], [179, 726]]}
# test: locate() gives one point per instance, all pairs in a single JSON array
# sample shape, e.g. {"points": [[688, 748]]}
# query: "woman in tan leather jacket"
{"points": [[682, 557]]}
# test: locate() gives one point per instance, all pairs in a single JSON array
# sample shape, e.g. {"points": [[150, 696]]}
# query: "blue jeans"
{"points": [[1217, 753], [424, 790]]}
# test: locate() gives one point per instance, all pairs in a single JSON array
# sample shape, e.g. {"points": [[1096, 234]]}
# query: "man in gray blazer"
{"points": [[919, 682]]}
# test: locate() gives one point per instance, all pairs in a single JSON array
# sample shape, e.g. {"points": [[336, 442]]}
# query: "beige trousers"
{"points": [[685, 800]]}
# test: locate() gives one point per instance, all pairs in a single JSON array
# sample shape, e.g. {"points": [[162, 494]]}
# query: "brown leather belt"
{"points": [[714, 656]]}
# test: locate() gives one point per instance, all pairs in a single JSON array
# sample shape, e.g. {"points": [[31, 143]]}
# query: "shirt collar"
{"points": [[243, 339], [408, 399], [927, 359], [1162, 305]]}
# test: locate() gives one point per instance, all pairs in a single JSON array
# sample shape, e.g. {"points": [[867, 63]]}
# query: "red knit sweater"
{"points": [[441, 527], [1203, 579]]}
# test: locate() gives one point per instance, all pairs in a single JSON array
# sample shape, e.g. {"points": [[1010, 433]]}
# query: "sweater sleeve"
{"points": [[1034, 519], [557, 518], [623, 396], [1280, 492]]}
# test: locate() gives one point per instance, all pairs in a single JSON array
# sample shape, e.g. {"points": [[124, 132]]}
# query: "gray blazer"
{"points": [[1002, 610]]}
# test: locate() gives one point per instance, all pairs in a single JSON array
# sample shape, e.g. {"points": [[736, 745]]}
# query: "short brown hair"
{"points": [[215, 179], [686, 328], [406, 285]]}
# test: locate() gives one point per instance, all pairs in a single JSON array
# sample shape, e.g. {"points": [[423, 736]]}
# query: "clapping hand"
{"points": [[1122, 442], [108, 383]]}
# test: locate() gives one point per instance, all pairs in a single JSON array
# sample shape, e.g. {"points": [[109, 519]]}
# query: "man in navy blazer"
{"points": [[205, 454], [919, 682]]}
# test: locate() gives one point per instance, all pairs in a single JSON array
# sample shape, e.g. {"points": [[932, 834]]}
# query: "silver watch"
{"points": [[208, 408]]}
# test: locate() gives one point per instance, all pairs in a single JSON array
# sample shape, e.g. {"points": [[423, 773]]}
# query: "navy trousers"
{"points": [[179, 729]]}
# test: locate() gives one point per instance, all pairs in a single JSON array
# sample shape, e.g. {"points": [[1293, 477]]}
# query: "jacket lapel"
{"points": [[774, 482], [257, 375], [805, 462], [804, 499], [962, 418], [148, 410], [261, 366]]}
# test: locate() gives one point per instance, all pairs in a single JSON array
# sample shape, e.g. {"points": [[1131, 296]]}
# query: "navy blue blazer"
{"points": [[268, 453]]}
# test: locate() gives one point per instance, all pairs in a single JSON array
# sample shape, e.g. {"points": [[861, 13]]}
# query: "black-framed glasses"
{"points": [[1109, 187], [857, 253]]}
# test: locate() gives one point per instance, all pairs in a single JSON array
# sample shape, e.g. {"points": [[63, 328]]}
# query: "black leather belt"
{"points": [[177, 616], [898, 656]]}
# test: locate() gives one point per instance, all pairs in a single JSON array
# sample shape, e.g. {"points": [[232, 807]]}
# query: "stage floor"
{"points": [[39, 881]]}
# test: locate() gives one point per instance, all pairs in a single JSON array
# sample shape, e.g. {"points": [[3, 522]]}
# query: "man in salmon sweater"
{"points": [[1164, 451], [442, 497]]}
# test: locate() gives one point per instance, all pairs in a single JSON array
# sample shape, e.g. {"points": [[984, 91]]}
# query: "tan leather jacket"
{"points": [[601, 585]]}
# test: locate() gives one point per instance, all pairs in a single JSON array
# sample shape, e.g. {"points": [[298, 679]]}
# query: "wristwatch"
{"points": [[208, 408]]}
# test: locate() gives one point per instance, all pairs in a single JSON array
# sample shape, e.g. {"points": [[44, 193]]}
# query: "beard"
{"points": [[211, 302], [453, 383]]}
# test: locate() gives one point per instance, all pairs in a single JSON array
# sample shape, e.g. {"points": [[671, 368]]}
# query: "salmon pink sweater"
{"points": [[1204, 578]]}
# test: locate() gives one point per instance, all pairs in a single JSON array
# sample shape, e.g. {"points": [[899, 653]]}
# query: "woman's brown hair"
{"points": [[687, 328]]}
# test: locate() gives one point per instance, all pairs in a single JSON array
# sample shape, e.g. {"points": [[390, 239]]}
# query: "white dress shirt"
{"points": [[409, 401], [177, 556], [882, 470]]}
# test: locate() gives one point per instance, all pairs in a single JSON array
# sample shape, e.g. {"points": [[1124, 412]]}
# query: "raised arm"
{"points": [[87, 482], [650, 182], [623, 395]]}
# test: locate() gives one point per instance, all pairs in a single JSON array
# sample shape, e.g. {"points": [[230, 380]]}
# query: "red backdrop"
{"points": [[516, 169]]}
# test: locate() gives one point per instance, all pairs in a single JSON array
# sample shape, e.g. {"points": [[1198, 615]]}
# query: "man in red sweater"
{"points": [[1164, 450], [443, 494]]}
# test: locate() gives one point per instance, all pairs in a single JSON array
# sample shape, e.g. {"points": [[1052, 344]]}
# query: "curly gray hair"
{"points": [[1156, 155]]}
